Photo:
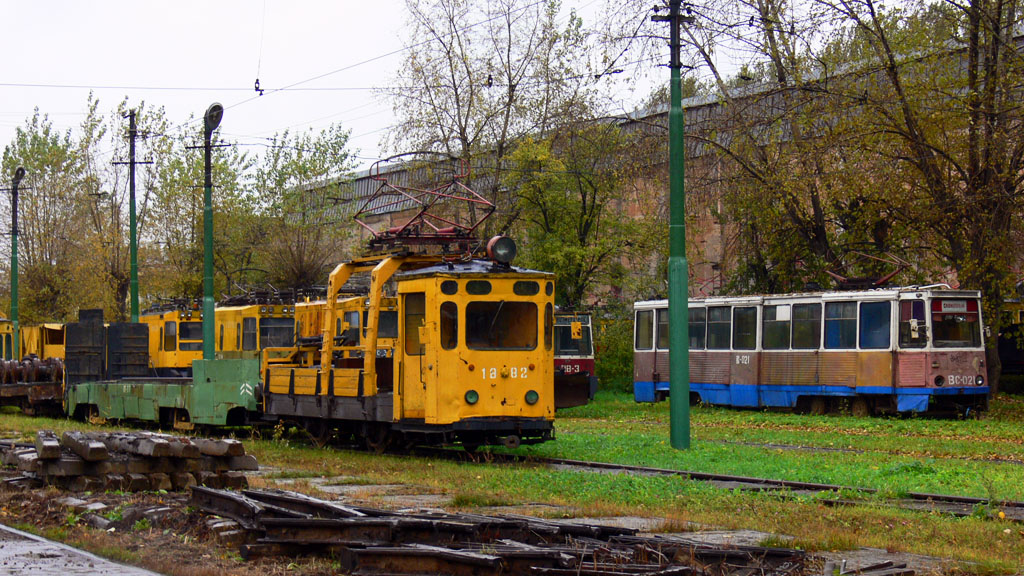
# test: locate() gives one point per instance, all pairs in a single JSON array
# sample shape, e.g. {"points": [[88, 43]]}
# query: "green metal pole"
{"points": [[19, 173], [678, 281], [210, 122], [132, 241]]}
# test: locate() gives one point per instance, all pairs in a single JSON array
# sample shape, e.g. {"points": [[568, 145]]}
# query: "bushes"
{"points": [[613, 339]]}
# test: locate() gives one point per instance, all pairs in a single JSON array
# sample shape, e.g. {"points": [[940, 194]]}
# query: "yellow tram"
{"points": [[435, 351], [241, 331]]}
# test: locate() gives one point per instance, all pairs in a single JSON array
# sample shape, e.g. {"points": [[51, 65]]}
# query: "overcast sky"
{"points": [[316, 59]]}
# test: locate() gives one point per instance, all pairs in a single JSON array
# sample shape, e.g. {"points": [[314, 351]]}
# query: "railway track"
{"points": [[960, 506]]}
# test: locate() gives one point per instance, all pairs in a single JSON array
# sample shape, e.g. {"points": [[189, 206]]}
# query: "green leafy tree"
{"points": [[50, 220], [175, 228], [297, 186], [569, 188]]}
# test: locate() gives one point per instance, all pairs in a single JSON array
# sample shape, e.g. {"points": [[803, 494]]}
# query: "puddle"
{"points": [[22, 553]]}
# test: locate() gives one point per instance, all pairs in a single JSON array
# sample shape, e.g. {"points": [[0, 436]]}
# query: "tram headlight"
{"points": [[940, 381], [472, 397], [532, 397], [501, 249], [979, 380]]}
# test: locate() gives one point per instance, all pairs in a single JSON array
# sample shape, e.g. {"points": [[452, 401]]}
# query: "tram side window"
{"points": [[644, 330], [875, 319], [449, 325], [171, 335], [912, 324], [349, 336], [663, 328], [806, 326], [697, 327], [744, 335], [549, 325], [250, 333], [719, 328], [415, 315], [388, 327], [840, 325], [238, 336], [776, 327]]}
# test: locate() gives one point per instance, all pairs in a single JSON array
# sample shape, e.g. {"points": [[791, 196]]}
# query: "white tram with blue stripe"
{"points": [[913, 349]]}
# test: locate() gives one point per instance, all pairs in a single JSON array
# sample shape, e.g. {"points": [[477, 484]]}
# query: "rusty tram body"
{"points": [[893, 350]]}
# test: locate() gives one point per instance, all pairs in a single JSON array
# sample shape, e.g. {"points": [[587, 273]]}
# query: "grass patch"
{"points": [[892, 455]]}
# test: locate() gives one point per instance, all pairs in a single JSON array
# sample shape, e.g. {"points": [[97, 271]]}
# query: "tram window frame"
{"points": [[776, 327], [662, 335], [942, 333], [250, 334], [719, 328], [415, 316], [874, 326], [841, 325], [502, 325], [697, 327], [170, 338], [449, 325], [277, 332], [913, 310], [526, 288], [805, 326], [744, 317], [221, 345], [644, 328], [549, 326], [387, 324]]}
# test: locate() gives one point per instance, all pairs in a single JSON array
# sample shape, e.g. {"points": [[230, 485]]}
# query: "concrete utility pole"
{"points": [[211, 120], [678, 270], [19, 173]]}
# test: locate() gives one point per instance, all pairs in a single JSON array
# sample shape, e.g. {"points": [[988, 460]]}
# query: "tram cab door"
{"points": [[417, 365]]}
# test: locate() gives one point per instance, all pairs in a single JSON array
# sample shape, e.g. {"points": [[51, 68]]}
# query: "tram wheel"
{"points": [[377, 438], [319, 432], [819, 406], [860, 408]]}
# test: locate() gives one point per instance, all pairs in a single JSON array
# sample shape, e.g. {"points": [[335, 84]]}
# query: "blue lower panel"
{"points": [[755, 396]]}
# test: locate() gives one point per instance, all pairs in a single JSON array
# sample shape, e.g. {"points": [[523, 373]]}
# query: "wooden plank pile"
{"points": [[371, 541], [129, 461]]}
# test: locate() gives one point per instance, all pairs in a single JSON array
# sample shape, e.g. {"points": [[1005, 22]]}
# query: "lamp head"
{"points": [[213, 116]]}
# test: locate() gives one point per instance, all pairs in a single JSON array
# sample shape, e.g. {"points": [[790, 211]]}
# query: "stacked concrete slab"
{"points": [[130, 461]]}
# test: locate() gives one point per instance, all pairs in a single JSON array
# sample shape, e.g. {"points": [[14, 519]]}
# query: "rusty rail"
{"points": [[368, 541]]}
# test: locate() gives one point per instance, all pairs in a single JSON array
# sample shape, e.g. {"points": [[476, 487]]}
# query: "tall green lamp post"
{"points": [[211, 120], [19, 173], [678, 288]]}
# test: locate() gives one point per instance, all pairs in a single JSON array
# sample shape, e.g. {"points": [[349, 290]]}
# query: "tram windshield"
{"points": [[501, 325], [956, 323], [190, 331], [277, 332], [565, 345]]}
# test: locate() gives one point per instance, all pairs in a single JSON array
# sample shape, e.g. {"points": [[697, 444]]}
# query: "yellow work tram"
{"points": [[433, 352]]}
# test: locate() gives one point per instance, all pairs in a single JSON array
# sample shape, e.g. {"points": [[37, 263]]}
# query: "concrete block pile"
{"points": [[129, 461]]}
